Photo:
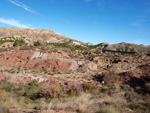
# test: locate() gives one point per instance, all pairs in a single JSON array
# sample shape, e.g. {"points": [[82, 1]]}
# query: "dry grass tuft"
{"points": [[82, 103], [109, 109], [3, 109]]}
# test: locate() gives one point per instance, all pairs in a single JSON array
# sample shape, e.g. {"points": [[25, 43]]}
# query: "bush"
{"points": [[89, 86], [28, 93], [66, 45], [110, 77], [134, 106], [95, 46], [97, 52], [80, 104], [53, 92], [125, 49], [147, 86], [147, 105], [37, 43], [8, 87], [148, 54], [34, 83], [19, 42], [108, 109], [4, 41], [132, 50], [4, 109], [78, 48]]}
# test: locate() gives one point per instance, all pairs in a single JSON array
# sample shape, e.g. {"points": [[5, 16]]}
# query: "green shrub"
{"points": [[37, 43], [63, 45], [19, 42], [132, 50], [66, 45], [34, 83], [134, 106], [28, 93], [8, 87], [125, 49], [97, 52], [148, 54], [4, 41], [78, 48], [95, 46], [147, 104]]}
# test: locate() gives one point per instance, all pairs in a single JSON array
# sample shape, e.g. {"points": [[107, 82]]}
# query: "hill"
{"points": [[41, 71], [132, 47], [31, 35]]}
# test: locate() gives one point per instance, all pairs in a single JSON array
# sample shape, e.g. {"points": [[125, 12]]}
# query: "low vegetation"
{"points": [[148, 54], [66, 45], [19, 42], [4, 41], [37, 43], [125, 49], [95, 46], [113, 97]]}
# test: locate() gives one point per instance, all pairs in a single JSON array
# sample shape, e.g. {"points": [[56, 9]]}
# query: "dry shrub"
{"points": [[3, 109], [108, 109], [119, 100], [55, 91], [110, 77], [2, 94], [82, 104], [13, 101], [147, 86], [125, 87], [132, 96], [73, 91], [89, 86], [41, 104], [3, 98]]}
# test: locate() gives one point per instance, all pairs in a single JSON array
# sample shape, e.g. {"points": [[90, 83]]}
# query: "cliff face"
{"points": [[31, 35]]}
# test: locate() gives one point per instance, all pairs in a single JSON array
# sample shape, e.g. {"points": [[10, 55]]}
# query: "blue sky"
{"points": [[94, 21]]}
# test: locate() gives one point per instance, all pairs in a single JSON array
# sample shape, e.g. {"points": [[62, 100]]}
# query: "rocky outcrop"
{"points": [[90, 66], [40, 61]]}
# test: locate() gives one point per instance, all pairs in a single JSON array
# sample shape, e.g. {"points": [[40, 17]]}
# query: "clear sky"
{"points": [[94, 21]]}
